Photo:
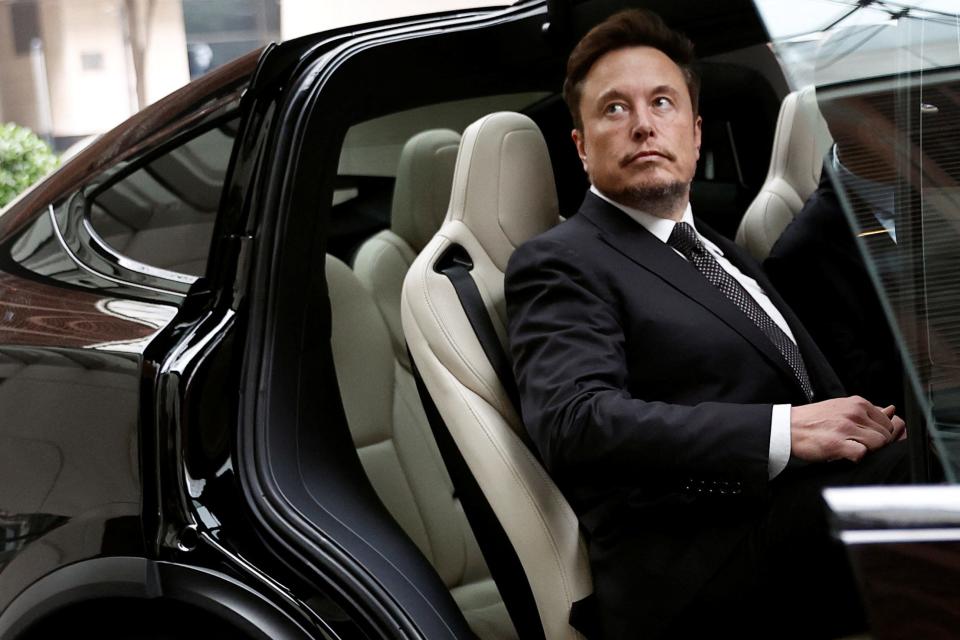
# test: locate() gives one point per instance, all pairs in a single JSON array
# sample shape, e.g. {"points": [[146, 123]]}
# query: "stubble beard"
{"points": [[665, 200]]}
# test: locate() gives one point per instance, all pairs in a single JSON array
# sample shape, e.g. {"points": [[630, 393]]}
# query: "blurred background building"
{"points": [[73, 68]]}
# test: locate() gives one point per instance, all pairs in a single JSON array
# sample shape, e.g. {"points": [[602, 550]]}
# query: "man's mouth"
{"points": [[646, 154]]}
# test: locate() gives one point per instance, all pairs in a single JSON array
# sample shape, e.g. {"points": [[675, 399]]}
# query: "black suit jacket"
{"points": [[648, 395], [817, 267]]}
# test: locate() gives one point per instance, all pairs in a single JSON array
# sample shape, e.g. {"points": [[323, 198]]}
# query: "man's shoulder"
{"points": [[570, 235], [819, 222]]}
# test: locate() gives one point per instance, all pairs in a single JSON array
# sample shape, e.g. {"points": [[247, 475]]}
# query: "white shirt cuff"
{"points": [[779, 440]]}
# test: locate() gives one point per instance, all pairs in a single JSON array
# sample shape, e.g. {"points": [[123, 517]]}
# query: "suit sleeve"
{"points": [[569, 353]]}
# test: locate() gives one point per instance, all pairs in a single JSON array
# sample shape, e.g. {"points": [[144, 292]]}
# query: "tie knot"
{"points": [[684, 239]]}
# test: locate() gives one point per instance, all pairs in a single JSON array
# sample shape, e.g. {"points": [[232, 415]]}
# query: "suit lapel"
{"points": [[825, 382], [636, 243]]}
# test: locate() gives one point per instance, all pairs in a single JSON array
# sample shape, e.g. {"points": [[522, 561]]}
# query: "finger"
{"points": [[878, 420], [871, 438], [852, 450], [889, 411], [868, 426], [900, 428], [879, 417]]}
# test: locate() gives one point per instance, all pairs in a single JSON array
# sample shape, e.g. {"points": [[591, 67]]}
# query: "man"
{"points": [[816, 264], [667, 386]]}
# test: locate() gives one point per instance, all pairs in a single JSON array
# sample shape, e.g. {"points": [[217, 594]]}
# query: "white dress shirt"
{"points": [[661, 228]]}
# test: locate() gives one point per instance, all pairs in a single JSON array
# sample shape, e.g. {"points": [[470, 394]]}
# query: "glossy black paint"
{"points": [[83, 341], [69, 397]]}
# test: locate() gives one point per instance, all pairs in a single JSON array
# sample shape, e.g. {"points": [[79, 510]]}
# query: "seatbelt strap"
{"points": [[505, 566], [458, 271], [502, 559]]}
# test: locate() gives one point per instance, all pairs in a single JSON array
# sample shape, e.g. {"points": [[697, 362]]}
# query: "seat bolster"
{"points": [[534, 514], [766, 218], [454, 551], [484, 610], [438, 307], [380, 265]]}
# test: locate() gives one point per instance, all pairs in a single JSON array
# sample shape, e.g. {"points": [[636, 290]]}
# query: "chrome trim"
{"points": [[79, 263], [890, 515], [896, 536], [133, 265]]}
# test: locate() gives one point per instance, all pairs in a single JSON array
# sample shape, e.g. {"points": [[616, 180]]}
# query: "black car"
{"points": [[210, 424]]}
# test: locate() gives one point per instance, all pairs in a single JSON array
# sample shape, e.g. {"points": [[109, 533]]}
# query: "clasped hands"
{"points": [[842, 428]]}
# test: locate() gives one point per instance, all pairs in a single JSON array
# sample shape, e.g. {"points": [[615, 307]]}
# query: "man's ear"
{"points": [[697, 131], [578, 141]]}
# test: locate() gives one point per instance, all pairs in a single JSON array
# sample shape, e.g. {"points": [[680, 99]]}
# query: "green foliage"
{"points": [[24, 158]]}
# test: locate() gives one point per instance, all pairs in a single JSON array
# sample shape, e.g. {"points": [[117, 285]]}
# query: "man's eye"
{"points": [[615, 108], [662, 103]]}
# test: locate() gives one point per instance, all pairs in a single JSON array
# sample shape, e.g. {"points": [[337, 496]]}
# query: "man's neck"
{"points": [[674, 212], [658, 226]]}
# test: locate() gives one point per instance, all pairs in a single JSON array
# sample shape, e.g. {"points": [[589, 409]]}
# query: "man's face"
{"points": [[640, 140]]}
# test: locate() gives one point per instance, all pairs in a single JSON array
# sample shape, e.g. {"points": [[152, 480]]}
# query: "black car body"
{"points": [[174, 453]]}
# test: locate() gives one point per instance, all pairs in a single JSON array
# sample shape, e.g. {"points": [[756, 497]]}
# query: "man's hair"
{"points": [[630, 28]]}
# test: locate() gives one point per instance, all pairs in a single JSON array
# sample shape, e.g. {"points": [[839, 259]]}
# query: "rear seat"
{"points": [[420, 197], [386, 418], [399, 455]]}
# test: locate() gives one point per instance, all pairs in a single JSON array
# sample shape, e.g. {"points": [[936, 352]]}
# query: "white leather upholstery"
{"points": [[420, 196], [799, 144], [503, 194], [398, 452]]}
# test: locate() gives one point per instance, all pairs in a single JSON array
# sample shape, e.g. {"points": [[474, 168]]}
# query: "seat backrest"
{"points": [[503, 194], [399, 454], [420, 197], [799, 144]]}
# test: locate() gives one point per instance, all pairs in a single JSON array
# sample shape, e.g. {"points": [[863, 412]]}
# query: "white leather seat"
{"points": [[420, 197], [799, 144], [398, 452], [503, 194]]}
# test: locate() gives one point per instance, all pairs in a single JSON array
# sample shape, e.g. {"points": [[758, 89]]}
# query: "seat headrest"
{"points": [[421, 192], [503, 187], [800, 142]]}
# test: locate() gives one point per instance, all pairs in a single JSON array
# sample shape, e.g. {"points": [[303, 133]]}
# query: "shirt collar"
{"points": [[660, 227]]}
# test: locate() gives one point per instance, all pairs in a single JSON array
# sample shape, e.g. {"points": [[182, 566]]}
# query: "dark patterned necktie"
{"points": [[684, 239]]}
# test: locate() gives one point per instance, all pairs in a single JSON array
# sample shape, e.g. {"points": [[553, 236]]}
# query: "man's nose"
{"points": [[641, 126]]}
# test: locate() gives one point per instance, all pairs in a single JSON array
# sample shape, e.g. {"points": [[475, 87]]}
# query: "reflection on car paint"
{"points": [[70, 425]]}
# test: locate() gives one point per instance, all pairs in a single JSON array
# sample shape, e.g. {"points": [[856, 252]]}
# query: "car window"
{"points": [[162, 214], [887, 82]]}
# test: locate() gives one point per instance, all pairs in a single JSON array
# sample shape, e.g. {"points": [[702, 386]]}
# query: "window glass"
{"points": [[887, 81], [162, 214]]}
